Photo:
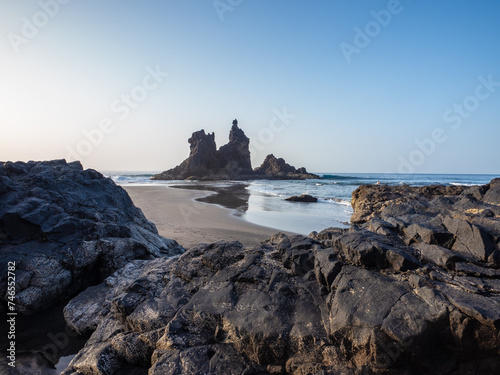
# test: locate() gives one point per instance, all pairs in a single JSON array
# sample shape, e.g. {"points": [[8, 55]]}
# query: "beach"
{"points": [[178, 216], [245, 211], [224, 302]]}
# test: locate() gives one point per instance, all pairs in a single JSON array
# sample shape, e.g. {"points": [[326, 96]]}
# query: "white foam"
{"points": [[463, 184], [343, 202]]}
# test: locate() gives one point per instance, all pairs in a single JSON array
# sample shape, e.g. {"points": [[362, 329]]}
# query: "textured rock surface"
{"points": [[202, 158], [66, 228], [393, 294], [230, 162], [302, 198], [235, 155], [277, 169]]}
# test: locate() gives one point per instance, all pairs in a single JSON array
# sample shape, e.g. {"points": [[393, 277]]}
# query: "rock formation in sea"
{"points": [[305, 198], [274, 168], [234, 156], [230, 162], [67, 228], [412, 287]]}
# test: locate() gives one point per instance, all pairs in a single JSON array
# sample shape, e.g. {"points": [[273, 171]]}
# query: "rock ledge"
{"points": [[67, 228]]}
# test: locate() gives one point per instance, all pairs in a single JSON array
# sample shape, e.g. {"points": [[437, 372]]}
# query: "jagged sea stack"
{"points": [[235, 155], [202, 159], [230, 162]]}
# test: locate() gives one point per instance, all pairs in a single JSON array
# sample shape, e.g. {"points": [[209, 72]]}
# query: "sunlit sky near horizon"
{"points": [[335, 86]]}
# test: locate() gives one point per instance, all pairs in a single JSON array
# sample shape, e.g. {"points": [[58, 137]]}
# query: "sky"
{"points": [[334, 86]]}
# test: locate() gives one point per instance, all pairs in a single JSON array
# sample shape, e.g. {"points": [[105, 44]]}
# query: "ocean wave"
{"points": [[343, 202], [337, 177], [125, 179], [265, 191], [463, 184]]}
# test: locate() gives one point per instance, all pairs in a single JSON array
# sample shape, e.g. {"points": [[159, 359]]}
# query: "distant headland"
{"points": [[229, 162]]}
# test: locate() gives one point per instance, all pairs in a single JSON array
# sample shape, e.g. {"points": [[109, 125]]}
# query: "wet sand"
{"points": [[179, 216]]}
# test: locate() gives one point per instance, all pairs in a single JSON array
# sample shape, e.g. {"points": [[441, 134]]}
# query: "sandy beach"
{"points": [[178, 216]]}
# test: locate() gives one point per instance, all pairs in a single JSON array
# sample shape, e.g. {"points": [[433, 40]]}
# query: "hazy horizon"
{"points": [[344, 87]]}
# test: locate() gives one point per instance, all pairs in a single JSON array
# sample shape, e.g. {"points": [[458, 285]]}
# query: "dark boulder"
{"points": [[492, 196], [470, 240], [370, 200], [302, 198], [67, 228]]}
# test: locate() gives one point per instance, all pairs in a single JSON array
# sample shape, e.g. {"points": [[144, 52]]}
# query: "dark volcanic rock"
{"points": [[412, 288], [230, 162], [302, 198], [451, 217], [66, 228], [492, 195], [370, 200], [235, 155], [202, 158], [278, 169]]}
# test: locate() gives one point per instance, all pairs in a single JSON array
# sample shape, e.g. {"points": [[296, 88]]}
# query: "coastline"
{"points": [[179, 216], [429, 255], [414, 289], [262, 202]]}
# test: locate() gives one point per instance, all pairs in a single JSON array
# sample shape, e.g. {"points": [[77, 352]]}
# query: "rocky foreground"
{"points": [[412, 287], [67, 228]]}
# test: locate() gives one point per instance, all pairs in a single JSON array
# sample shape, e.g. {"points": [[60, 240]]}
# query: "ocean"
{"points": [[266, 205]]}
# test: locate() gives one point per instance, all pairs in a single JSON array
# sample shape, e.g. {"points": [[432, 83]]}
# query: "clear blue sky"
{"points": [[421, 70]]}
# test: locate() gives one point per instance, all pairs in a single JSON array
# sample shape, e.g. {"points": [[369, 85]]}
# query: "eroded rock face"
{"points": [[305, 198], [369, 200], [277, 169], [230, 162], [66, 228], [462, 220], [202, 157], [235, 155], [390, 295]]}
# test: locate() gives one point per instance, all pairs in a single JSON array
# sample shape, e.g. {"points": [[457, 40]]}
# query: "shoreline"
{"points": [[414, 289], [429, 255], [179, 215]]}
